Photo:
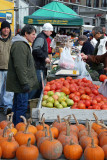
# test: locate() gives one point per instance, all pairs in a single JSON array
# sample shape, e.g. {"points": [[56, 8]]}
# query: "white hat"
{"points": [[47, 27]]}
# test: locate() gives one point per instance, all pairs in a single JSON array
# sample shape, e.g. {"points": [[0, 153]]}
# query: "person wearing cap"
{"points": [[6, 98], [40, 54]]}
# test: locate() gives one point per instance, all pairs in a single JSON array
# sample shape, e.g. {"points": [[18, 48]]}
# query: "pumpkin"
{"points": [[103, 133], [72, 151], [0, 152], [42, 124], [22, 137], [103, 140], [55, 132], [105, 151], [31, 128], [80, 126], [4, 123], [27, 152], [9, 148], [93, 152], [51, 149], [19, 125], [11, 128], [65, 139]]}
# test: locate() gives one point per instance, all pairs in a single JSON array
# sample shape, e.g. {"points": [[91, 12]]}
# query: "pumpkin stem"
{"points": [[10, 137], [96, 118], [26, 128], [24, 119], [71, 142], [59, 119], [42, 117], [69, 119], [77, 123], [51, 136], [43, 123], [7, 117], [68, 129], [29, 142], [11, 117], [46, 132], [86, 124], [92, 143], [10, 125], [89, 129], [5, 131]]}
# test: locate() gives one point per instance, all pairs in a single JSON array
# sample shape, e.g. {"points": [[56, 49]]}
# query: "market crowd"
{"points": [[23, 60]]}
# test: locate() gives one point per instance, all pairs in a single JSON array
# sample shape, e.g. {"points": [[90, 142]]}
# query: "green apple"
{"points": [[45, 97], [69, 102], [50, 93], [44, 103], [50, 99], [61, 98], [59, 106], [56, 103], [58, 93], [62, 94], [49, 105], [64, 104]]}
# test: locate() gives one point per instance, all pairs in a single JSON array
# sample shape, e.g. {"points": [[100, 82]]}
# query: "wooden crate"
{"points": [[50, 114], [33, 104]]}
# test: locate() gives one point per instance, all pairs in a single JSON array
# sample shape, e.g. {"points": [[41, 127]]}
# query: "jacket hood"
{"points": [[19, 38]]}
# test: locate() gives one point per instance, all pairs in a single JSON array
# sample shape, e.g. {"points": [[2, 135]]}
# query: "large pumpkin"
{"points": [[105, 151], [0, 152], [93, 152], [27, 152]]}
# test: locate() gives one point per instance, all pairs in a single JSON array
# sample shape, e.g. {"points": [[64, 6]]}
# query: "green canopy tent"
{"points": [[55, 13]]}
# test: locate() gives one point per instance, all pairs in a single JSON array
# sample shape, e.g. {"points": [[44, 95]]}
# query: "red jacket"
{"points": [[49, 42]]}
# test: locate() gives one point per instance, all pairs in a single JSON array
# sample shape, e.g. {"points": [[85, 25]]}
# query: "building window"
{"points": [[96, 3], [103, 21], [104, 3], [88, 3], [93, 22]]}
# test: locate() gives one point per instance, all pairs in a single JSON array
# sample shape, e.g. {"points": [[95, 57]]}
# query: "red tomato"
{"points": [[87, 103], [71, 95], [83, 96], [62, 79], [104, 106], [90, 107], [81, 105], [87, 90], [72, 89], [47, 88], [58, 85], [74, 106], [76, 98], [98, 98], [52, 82], [45, 92], [95, 91], [84, 80], [65, 90], [94, 102], [53, 87], [77, 93], [82, 91], [102, 77], [96, 106]]}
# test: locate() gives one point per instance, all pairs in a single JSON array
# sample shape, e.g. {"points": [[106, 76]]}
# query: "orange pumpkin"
{"points": [[27, 152], [19, 125], [0, 152], [73, 151], [93, 152], [51, 149], [9, 148], [103, 140], [4, 123], [22, 137], [80, 126], [105, 151]]}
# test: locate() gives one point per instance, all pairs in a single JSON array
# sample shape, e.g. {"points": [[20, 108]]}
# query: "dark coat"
{"points": [[98, 59], [21, 70], [87, 48], [40, 51]]}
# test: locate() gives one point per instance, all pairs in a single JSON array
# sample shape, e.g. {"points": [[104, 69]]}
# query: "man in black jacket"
{"points": [[40, 54]]}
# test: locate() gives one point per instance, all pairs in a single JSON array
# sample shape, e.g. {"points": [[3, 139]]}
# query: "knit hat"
{"points": [[5, 24], [47, 27]]}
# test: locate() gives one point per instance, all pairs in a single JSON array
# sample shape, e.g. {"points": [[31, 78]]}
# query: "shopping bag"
{"points": [[103, 88], [81, 66], [66, 61]]}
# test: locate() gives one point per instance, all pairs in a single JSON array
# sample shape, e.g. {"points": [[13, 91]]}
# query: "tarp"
{"points": [[44, 15]]}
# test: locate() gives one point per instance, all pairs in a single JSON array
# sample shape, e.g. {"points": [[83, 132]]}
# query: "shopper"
{"points": [[97, 59], [21, 77], [6, 98], [87, 47], [40, 54]]}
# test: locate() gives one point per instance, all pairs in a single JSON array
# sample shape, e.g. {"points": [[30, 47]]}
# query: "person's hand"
{"points": [[47, 60], [84, 57]]}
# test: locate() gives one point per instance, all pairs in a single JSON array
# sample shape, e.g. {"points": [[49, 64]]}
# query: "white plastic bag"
{"points": [[81, 66], [103, 88], [66, 61]]}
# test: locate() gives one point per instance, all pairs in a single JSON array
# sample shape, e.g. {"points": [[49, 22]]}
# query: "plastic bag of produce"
{"points": [[66, 61], [103, 88], [81, 65]]}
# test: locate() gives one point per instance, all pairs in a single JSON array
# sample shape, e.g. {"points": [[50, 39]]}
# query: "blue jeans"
{"points": [[6, 98], [36, 93], [19, 106]]}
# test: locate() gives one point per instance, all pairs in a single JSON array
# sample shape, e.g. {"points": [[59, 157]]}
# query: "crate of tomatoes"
{"points": [[65, 96]]}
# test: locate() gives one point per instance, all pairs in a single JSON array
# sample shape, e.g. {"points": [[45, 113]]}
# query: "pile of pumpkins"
{"points": [[26, 141]]}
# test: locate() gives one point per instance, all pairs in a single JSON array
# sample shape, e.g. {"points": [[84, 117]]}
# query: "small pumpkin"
{"points": [[51, 149], [27, 152], [103, 140], [9, 148], [22, 137], [105, 151], [93, 152], [80, 126], [21, 124], [4, 123], [72, 151]]}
